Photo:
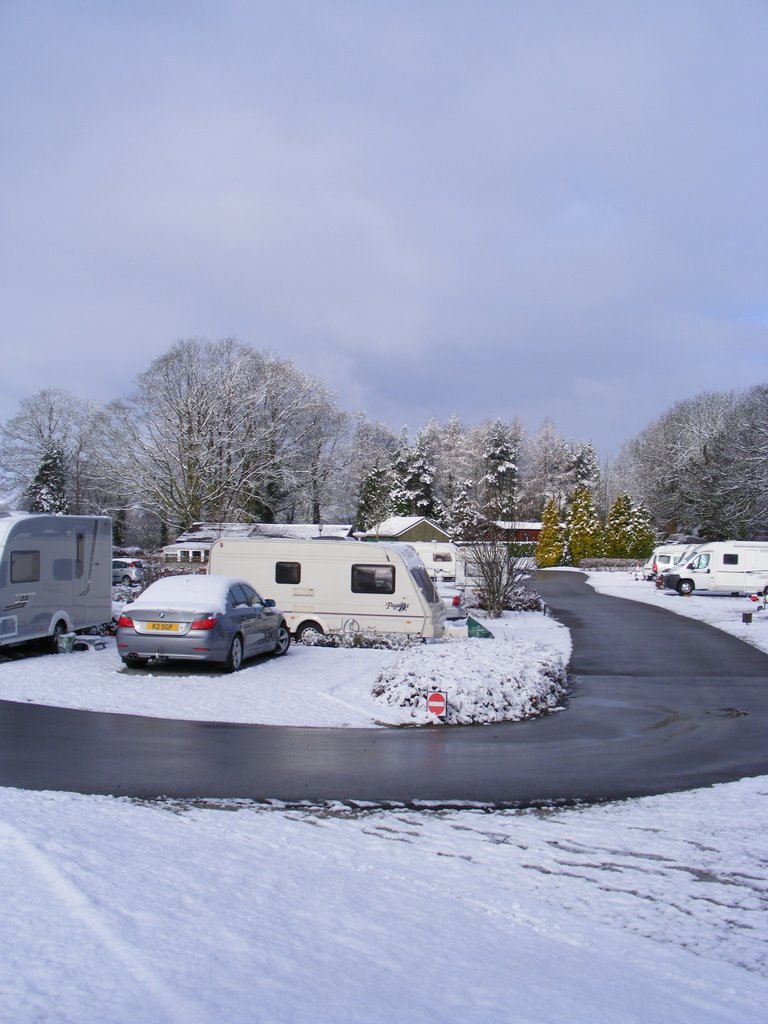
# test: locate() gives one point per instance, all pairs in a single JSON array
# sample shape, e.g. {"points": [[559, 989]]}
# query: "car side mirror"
{"points": [[270, 603]]}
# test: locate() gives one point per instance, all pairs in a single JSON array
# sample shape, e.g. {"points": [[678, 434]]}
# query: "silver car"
{"points": [[200, 618], [453, 601], [127, 570]]}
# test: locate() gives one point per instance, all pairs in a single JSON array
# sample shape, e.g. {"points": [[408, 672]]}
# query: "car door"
{"points": [[245, 614], [269, 620]]}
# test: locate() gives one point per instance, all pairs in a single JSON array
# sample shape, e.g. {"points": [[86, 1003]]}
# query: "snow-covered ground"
{"points": [[117, 911], [315, 686]]}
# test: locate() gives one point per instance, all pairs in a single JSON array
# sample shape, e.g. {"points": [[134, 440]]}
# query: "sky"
{"points": [[492, 209], [636, 912]]}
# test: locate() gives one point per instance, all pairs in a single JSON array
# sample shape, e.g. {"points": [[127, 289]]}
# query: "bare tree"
{"points": [[498, 572], [219, 431], [54, 419]]}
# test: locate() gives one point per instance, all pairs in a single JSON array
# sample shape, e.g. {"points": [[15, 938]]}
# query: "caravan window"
{"points": [[425, 584], [25, 566], [730, 559], [701, 562], [441, 556], [373, 579], [287, 572]]}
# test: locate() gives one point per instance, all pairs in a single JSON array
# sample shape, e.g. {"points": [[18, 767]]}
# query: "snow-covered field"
{"points": [[114, 911]]}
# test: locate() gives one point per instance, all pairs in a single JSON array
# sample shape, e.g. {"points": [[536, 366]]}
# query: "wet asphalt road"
{"points": [[659, 703]]}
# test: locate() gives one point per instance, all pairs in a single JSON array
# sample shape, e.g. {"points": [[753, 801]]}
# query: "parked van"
{"points": [[331, 586], [55, 575], [725, 567], [664, 558]]}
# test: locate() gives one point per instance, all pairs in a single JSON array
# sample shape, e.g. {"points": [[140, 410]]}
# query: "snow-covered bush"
{"points": [[485, 681], [363, 639], [519, 600], [610, 564]]}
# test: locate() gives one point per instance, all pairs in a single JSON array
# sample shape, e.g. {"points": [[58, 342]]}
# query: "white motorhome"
{"points": [[55, 575], [725, 567], [664, 558], [331, 586]]}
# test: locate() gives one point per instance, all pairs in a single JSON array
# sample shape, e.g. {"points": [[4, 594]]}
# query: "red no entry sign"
{"points": [[437, 702]]}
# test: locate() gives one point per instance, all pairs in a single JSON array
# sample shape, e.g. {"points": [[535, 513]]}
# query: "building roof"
{"points": [[397, 525]]}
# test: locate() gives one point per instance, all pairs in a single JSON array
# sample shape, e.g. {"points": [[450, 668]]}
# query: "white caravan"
{"points": [[725, 567], [55, 575], [332, 586], [441, 559]]}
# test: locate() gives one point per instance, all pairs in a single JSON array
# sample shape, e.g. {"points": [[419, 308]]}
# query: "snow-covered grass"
{"points": [[310, 686], [650, 911]]}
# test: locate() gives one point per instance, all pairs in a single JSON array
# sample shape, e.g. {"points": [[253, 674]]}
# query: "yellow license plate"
{"points": [[163, 627]]}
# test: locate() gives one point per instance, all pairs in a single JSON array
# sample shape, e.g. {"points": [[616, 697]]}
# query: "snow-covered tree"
{"points": [[218, 431], [463, 518], [551, 546], [413, 475], [54, 419], [548, 459], [374, 499], [616, 540], [501, 446], [584, 470], [583, 527], [48, 490]]}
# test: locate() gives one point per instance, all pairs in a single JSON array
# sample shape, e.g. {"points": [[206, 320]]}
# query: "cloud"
{"points": [[450, 210]]}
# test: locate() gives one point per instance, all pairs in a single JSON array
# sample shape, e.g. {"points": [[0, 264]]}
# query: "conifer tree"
{"points": [[628, 531], [413, 474], [500, 455], [373, 504], [463, 519], [641, 535], [617, 528], [48, 490], [550, 549], [583, 527]]}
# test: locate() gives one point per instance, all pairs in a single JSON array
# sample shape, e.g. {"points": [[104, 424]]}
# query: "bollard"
{"points": [[746, 617]]}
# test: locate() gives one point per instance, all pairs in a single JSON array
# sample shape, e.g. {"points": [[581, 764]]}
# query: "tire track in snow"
{"points": [[175, 1009]]}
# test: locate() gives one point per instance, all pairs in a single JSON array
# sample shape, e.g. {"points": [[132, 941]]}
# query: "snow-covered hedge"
{"points": [[611, 564], [363, 639], [520, 600], [485, 680]]}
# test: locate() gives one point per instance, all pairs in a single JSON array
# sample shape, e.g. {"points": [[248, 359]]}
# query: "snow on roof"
{"points": [[202, 535], [517, 525], [396, 525], [193, 592]]}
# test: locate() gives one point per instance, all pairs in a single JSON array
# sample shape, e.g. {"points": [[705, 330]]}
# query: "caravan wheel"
{"points": [[53, 641], [308, 631]]}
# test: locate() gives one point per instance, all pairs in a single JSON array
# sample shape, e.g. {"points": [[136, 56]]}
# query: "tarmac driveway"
{"points": [[659, 703]]}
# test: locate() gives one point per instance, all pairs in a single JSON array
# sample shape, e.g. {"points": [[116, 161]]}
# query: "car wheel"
{"points": [[283, 640], [126, 581], [235, 656], [685, 587], [308, 631]]}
